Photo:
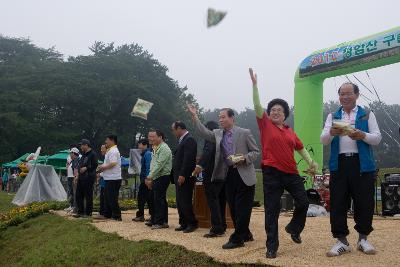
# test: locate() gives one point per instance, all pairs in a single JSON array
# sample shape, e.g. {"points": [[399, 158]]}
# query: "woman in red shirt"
{"points": [[278, 142]]}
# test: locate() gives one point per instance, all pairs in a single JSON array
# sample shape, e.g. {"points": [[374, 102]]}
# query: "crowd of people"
{"points": [[227, 168], [83, 172], [9, 180]]}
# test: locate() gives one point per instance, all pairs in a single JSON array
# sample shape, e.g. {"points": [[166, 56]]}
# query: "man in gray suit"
{"points": [[238, 172]]}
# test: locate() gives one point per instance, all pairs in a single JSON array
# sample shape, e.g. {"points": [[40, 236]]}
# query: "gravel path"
{"points": [[316, 241]]}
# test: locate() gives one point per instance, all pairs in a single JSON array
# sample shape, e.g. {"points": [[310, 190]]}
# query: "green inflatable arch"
{"points": [[366, 53]]}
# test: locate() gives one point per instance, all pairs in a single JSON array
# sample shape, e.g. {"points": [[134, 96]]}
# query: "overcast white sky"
{"points": [[271, 36]]}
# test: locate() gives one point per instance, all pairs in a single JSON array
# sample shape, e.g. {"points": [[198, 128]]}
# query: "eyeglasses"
{"points": [[346, 94], [279, 111]]}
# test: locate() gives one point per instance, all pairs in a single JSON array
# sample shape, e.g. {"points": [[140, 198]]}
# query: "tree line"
{"points": [[49, 100]]}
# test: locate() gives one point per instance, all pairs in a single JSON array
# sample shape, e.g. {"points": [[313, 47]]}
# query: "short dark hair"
{"points": [[158, 132], [356, 90], [113, 137], [229, 111], [144, 142], [85, 142], [211, 125], [281, 102], [179, 124]]}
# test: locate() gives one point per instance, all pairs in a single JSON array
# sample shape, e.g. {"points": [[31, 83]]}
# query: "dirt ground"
{"points": [[316, 241]]}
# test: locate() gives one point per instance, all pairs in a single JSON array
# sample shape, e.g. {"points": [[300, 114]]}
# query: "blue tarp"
{"points": [[124, 162]]}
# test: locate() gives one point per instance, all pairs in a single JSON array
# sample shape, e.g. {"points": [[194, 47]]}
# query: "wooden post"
{"points": [[202, 211]]}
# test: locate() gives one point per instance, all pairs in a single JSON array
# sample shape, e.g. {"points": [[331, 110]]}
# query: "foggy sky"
{"points": [[271, 36]]}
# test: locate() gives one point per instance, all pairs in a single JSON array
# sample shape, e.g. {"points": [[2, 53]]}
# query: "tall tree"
{"points": [[50, 102]]}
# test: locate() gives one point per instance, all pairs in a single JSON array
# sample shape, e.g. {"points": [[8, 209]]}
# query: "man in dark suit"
{"points": [[183, 165], [214, 190]]}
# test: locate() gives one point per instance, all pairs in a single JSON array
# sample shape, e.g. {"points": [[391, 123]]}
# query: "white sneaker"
{"points": [[366, 247], [338, 249], [68, 209]]}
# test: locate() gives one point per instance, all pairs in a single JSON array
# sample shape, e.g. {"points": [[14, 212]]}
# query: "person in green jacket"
{"points": [[159, 178]]}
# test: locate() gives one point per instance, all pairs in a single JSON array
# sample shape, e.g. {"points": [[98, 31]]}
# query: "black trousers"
{"points": [[111, 194], [144, 196], [275, 182], [240, 199], [216, 199], [348, 183], [84, 195], [184, 202], [102, 200], [70, 191], [160, 205]]}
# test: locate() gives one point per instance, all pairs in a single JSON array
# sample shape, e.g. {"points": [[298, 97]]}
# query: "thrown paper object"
{"points": [[214, 17], [141, 109]]}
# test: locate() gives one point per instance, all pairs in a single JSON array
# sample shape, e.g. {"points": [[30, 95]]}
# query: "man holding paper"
{"points": [[236, 150], [351, 132]]}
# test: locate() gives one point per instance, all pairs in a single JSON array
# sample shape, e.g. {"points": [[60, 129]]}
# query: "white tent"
{"points": [[41, 184]]}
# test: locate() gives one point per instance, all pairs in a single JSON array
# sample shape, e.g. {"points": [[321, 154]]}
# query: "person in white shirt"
{"points": [[70, 178], [352, 168], [111, 173]]}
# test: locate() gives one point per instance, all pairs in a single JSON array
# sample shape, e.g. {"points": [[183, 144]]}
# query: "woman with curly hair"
{"points": [[278, 142]]}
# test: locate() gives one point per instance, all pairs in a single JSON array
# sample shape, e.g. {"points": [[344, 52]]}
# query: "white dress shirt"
{"points": [[70, 171], [183, 136], [346, 144]]}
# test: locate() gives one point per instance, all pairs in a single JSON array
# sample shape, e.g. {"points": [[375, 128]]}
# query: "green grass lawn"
{"points": [[5, 202], [49, 240], [259, 188]]}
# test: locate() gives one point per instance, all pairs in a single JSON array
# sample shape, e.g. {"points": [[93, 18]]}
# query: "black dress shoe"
{"points": [[231, 245], [190, 229], [270, 254], [138, 219], [295, 237], [249, 238], [212, 235], [156, 227], [181, 228]]}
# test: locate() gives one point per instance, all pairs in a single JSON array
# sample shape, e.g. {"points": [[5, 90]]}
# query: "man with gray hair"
{"points": [[236, 150], [351, 132]]}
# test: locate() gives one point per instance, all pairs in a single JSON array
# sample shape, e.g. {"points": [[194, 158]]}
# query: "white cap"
{"points": [[74, 150]]}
